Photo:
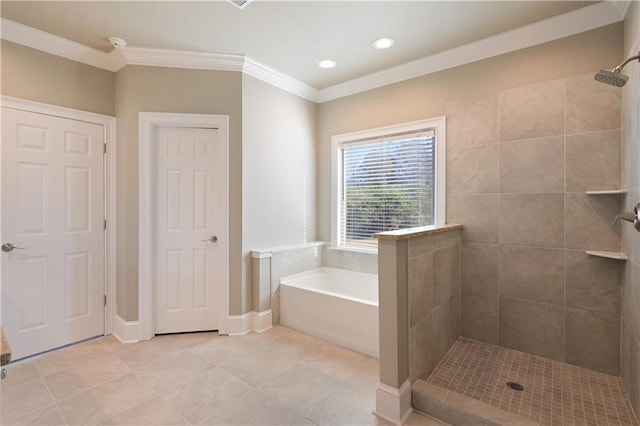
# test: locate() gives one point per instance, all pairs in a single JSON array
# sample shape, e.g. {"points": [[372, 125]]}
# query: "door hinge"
{"points": [[105, 224], [105, 300], [105, 148]]}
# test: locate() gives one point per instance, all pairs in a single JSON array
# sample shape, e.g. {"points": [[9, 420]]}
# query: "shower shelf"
{"points": [[610, 192], [608, 254]]}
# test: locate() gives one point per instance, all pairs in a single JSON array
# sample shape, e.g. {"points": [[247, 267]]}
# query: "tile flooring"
{"points": [[279, 377], [555, 393]]}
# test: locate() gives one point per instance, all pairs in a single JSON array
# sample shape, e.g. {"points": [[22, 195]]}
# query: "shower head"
{"points": [[615, 76]]}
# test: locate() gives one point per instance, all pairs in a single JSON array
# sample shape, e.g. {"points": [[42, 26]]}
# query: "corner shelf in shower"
{"points": [[609, 192], [608, 254]]}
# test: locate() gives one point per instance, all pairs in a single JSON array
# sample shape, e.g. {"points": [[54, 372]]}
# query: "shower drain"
{"points": [[515, 386]]}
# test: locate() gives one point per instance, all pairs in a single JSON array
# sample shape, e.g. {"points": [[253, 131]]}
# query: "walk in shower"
{"points": [[537, 324]]}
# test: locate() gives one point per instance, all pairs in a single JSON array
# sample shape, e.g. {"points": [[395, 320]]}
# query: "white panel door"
{"points": [[53, 212], [188, 269]]}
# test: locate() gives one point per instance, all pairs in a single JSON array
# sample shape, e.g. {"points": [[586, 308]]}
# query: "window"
{"points": [[386, 179]]}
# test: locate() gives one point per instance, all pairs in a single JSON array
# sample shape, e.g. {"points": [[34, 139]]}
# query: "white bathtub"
{"points": [[337, 305]]}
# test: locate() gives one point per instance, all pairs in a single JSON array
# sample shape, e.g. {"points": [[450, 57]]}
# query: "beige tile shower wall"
{"points": [[434, 299], [519, 163], [630, 360]]}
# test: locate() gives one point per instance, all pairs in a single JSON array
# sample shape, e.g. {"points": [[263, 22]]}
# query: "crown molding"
{"points": [[118, 58], [49, 43], [565, 25], [181, 59], [621, 6], [278, 79]]}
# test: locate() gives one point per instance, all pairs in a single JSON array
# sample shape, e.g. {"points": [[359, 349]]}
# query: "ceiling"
{"points": [[289, 36]]}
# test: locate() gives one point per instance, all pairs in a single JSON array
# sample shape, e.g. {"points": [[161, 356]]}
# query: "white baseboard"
{"points": [[258, 322], [393, 405], [126, 331]]}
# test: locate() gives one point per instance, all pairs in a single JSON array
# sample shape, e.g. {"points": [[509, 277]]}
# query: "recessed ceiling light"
{"points": [[327, 63], [383, 43]]}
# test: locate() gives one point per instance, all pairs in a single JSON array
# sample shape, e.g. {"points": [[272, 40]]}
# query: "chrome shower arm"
{"points": [[626, 61]]}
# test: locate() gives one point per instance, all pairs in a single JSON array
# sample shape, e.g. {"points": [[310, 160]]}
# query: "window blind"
{"points": [[386, 184]]}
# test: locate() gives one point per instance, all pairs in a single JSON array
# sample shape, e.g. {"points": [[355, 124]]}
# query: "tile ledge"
{"points": [[608, 254], [408, 233], [608, 192]]}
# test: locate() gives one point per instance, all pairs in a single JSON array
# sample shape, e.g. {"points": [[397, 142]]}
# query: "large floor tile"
{"points": [[148, 352], [219, 351], [201, 396], [49, 416], [71, 356], [257, 367], [335, 361], [255, 408], [274, 377], [366, 373], [98, 370], [18, 373], [23, 399], [105, 401], [191, 340], [152, 412], [347, 405], [168, 374], [300, 387]]}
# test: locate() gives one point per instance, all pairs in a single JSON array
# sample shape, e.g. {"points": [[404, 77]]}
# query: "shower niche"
{"points": [[618, 255]]}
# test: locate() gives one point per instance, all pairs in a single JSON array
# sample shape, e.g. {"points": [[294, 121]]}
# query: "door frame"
{"points": [[147, 125], [108, 124]]}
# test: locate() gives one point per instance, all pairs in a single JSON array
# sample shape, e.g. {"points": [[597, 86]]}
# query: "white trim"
{"points": [[239, 325], [557, 27], [126, 331], [259, 254], [148, 122], [393, 405], [49, 43], [439, 124], [109, 125], [181, 59], [276, 78], [622, 7]]}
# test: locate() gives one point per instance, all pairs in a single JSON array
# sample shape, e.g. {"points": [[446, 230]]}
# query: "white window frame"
{"points": [[437, 124]]}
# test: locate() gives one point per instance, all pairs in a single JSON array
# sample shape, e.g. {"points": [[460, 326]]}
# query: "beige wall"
{"points": [[426, 96], [278, 160], [630, 359], [155, 89], [41, 77], [280, 181]]}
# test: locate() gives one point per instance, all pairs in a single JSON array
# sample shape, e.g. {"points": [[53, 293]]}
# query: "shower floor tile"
{"points": [[554, 393]]}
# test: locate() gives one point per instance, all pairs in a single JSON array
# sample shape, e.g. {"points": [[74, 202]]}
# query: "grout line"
{"points": [[499, 242], [564, 245]]}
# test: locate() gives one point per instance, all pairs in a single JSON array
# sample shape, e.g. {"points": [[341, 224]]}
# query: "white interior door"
{"points": [[188, 272], [53, 212]]}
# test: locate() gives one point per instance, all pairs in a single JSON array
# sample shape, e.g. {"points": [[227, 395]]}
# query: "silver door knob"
{"points": [[212, 239], [7, 247]]}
